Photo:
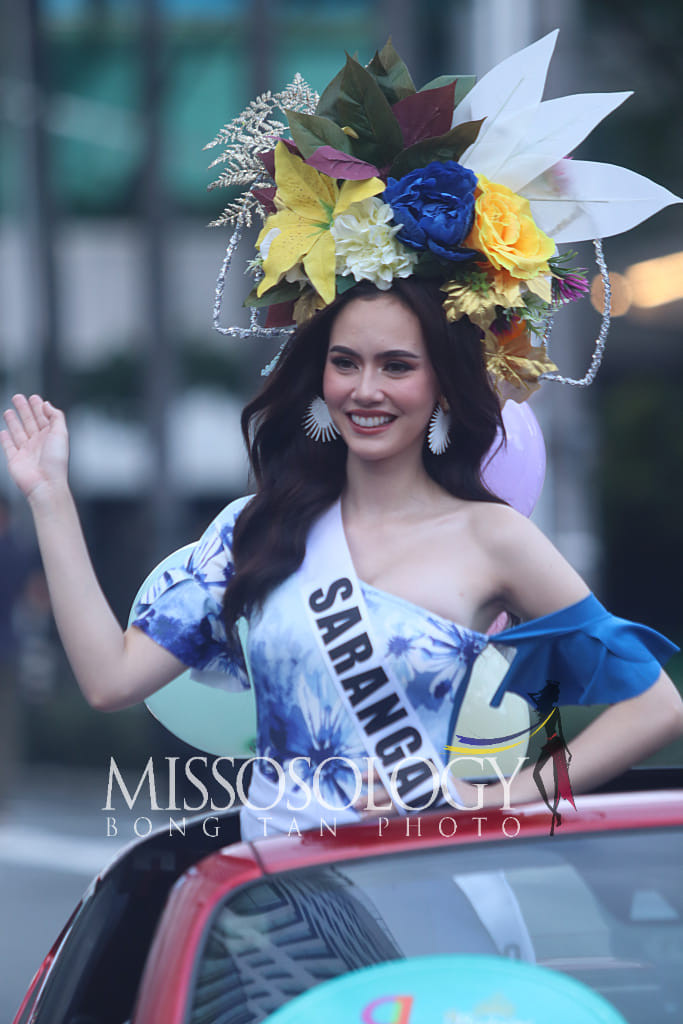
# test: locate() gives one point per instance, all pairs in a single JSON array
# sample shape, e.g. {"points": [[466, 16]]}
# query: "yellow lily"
{"points": [[309, 201]]}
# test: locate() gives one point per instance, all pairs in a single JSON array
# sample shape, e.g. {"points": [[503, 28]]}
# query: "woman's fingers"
{"points": [[55, 417], [37, 406], [7, 443], [35, 443], [25, 414], [376, 799], [29, 422], [28, 417], [15, 428]]}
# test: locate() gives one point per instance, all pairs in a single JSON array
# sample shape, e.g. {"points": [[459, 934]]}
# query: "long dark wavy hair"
{"points": [[298, 478]]}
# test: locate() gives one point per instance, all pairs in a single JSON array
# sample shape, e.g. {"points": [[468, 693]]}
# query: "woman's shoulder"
{"points": [[506, 535], [485, 524], [218, 534], [229, 515], [531, 573], [495, 524]]}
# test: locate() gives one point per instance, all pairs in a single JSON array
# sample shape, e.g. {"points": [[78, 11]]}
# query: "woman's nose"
{"points": [[367, 387]]}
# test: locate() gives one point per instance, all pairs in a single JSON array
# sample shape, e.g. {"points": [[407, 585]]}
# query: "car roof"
{"points": [[595, 812], [201, 890]]}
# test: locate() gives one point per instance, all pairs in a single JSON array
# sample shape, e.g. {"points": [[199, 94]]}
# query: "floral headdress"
{"points": [[465, 182]]}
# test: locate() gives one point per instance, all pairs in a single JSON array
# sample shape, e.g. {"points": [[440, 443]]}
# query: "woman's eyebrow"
{"points": [[394, 353]]}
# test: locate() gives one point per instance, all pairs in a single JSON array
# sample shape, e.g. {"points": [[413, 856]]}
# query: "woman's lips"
{"points": [[370, 422]]}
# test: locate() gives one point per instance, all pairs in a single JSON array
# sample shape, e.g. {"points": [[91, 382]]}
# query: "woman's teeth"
{"points": [[370, 421]]}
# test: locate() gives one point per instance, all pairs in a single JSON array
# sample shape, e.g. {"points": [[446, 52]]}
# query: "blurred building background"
{"points": [[107, 275]]}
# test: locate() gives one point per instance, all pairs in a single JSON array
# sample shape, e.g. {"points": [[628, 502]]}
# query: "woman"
{"points": [[438, 556], [446, 204]]}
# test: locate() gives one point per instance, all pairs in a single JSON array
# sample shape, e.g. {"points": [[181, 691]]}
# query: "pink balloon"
{"points": [[516, 471]]}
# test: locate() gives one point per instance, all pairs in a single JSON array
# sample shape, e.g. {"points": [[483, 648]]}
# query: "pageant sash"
{"points": [[391, 731]]}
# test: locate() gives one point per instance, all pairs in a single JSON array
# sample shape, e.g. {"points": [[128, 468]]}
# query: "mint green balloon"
{"points": [[445, 989]]}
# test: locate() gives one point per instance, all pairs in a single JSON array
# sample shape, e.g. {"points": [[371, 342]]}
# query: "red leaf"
{"points": [[266, 196], [425, 114], [336, 164], [280, 314], [268, 158], [268, 161]]}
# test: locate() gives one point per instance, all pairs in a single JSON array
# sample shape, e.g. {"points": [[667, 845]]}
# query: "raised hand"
{"points": [[36, 444]]}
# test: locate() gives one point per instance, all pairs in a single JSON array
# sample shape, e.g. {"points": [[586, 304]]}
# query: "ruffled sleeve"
{"points": [[181, 606], [595, 657]]}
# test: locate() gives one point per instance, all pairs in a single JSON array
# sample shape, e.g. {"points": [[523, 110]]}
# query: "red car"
{"points": [[177, 931]]}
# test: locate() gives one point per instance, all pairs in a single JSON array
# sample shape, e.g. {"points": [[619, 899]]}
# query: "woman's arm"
{"points": [[113, 669], [536, 580], [526, 569], [623, 735]]}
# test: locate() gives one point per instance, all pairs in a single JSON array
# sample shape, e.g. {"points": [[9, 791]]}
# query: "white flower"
{"points": [[524, 140], [366, 244]]}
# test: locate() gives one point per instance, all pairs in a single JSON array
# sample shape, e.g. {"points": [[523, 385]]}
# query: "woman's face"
{"points": [[378, 382]]}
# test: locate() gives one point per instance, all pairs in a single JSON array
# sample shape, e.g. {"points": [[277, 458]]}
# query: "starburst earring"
{"points": [[318, 423], [438, 437]]}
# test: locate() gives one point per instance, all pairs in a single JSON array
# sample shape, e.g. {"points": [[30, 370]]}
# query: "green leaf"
{"points": [[363, 106], [343, 283], [463, 84], [310, 131], [443, 147], [391, 74], [285, 291], [430, 266], [328, 102]]}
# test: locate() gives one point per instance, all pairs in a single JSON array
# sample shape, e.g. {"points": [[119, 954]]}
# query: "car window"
{"points": [[605, 908]]}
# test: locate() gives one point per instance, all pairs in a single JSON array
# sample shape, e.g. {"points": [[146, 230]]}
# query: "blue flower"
{"points": [[435, 206], [399, 645]]}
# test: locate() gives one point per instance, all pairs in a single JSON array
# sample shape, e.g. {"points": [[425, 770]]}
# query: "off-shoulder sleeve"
{"points": [[181, 607], [595, 657]]}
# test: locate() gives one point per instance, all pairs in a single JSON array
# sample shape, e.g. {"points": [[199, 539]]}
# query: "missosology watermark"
{"points": [[211, 786]]}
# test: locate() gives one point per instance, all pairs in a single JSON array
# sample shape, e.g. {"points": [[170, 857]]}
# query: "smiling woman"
{"points": [[378, 380], [384, 361], [357, 588]]}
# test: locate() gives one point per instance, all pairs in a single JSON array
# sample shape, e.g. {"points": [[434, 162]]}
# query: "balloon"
{"points": [[454, 987], [515, 472], [478, 718]]}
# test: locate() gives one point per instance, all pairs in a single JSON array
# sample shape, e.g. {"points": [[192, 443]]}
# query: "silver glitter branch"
{"points": [[252, 133], [600, 341]]}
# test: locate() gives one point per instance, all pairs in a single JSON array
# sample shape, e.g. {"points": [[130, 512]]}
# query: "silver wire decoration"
{"points": [[256, 328], [599, 349]]}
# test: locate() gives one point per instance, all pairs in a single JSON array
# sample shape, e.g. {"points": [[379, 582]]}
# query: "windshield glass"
{"points": [[605, 908]]}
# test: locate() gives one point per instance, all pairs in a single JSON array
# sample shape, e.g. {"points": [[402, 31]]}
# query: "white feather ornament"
{"points": [[438, 437], [317, 422]]}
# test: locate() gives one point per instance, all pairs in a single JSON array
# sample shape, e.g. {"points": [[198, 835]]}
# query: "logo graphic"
{"points": [[555, 748]]}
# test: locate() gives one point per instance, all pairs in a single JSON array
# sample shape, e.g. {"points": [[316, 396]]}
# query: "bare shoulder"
{"points": [[486, 524], [531, 573], [496, 527]]}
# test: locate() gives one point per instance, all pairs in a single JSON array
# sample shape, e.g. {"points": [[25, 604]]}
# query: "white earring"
{"points": [[318, 423], [438, 437]]}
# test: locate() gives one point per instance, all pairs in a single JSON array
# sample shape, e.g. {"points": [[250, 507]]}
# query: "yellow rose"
{"points": [[505, 232]]}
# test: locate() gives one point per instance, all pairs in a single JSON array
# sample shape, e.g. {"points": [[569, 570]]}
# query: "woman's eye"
{"points": [[395, 366], [343, 363]]}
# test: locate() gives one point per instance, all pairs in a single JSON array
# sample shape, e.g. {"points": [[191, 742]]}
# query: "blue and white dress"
{"points": [[596, 658]]}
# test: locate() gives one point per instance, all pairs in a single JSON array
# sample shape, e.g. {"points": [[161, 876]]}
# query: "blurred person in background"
{"points": [[19, 575]]}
